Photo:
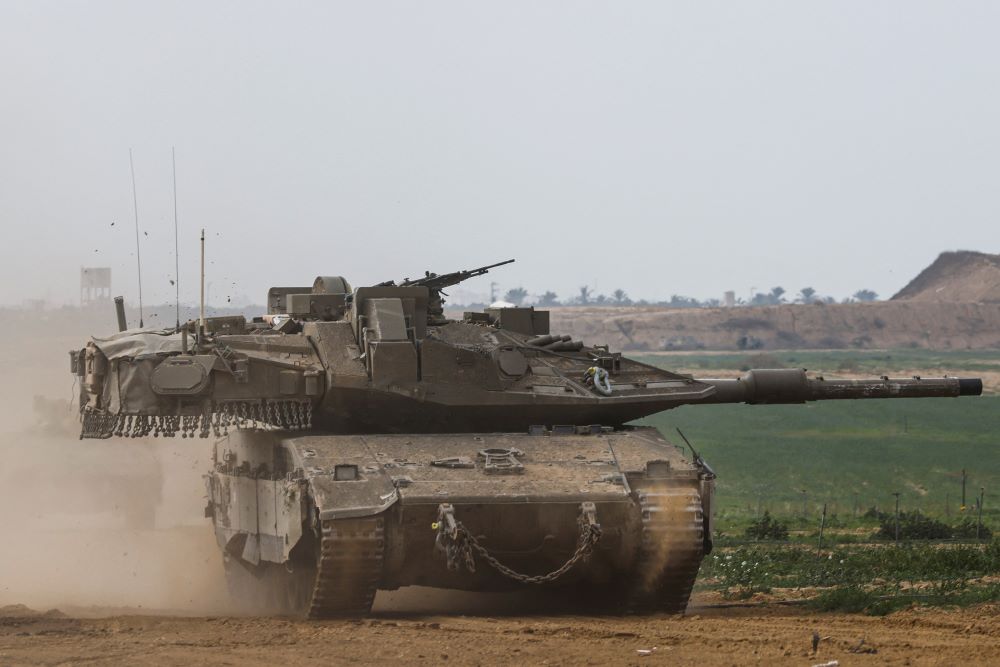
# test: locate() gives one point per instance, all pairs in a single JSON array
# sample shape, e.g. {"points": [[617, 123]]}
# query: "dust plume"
{"points": [[672, 554], [95, 523]]}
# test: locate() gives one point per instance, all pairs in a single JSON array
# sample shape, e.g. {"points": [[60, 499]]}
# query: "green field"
{"points": [[846, 454]]}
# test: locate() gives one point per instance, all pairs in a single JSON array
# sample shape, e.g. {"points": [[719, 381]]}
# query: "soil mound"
{"points": [[23, 611], [938, 325], [961, 276]]}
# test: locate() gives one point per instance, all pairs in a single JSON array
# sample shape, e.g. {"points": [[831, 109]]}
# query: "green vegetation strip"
{"points": [[874, 579]]}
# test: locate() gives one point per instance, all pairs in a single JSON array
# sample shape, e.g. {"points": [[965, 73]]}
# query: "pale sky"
{"points": [[661, 147]]}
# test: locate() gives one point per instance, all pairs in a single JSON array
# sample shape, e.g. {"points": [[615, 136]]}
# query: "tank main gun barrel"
{"points": [[791, 385]]}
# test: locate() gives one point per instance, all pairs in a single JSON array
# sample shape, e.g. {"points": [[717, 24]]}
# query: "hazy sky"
{"points": [[662, 147]]}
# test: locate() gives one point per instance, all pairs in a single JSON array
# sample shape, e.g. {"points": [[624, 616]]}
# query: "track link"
{"points": [[672, 547], [349, 568]]}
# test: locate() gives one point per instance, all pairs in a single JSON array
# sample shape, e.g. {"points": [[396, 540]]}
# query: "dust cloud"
{"points": [[672, 558], [95, 525]]}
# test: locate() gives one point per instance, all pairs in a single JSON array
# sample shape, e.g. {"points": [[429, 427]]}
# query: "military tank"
{"points": [[365, 441]]}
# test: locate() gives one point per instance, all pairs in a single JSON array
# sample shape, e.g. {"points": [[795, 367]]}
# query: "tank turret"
{"points": [[381, 360]]}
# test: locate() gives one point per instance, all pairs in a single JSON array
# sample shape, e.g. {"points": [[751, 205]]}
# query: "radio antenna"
{"points": [[138, 257], [201, 320], [177, 260]]}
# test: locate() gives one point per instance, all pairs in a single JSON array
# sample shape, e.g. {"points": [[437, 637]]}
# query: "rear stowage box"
{"points": [[527, 321]]}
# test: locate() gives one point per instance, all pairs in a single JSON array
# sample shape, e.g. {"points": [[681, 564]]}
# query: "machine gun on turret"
{"points": [[436, 284]]}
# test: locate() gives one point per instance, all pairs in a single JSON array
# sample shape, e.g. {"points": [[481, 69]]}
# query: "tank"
{"points": [[365, 441]]}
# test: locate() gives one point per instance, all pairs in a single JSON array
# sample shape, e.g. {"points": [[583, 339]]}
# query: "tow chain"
{"points": [[459, 545]]}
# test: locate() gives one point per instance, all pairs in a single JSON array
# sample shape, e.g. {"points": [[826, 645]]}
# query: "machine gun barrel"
{"points": [[435, 281], [791, 385]]}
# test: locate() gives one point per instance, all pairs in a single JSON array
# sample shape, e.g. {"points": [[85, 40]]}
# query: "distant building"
{"points": [[95, 284], [729, 299]]}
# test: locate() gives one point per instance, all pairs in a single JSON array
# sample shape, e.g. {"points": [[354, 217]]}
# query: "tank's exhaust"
{"points": [[120, 312]]}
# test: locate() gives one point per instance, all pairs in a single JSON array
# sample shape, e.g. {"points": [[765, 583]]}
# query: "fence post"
{"points": [[979, 522], [822, 525], [897, 515], [964, 477]]}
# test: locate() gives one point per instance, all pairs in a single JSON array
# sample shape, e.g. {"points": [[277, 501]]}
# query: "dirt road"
{"points": [[706, 636]]}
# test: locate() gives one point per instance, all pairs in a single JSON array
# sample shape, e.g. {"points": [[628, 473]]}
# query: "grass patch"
{"points": [[848, 599], [879, 602], [872, 579], [794, 566]]}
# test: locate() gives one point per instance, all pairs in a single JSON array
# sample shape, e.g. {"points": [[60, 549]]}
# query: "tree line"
{"points": [[585, 296]]}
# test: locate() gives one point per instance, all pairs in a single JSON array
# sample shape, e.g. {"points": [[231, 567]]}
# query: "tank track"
{"points": [[349, 567], [350, 556], [672, 547]]}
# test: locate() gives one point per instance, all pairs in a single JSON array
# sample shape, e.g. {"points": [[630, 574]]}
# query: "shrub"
{"points": [[767, 528], [913, 526], [874, 513], [741, 573], [967, 530], [748, 342], [850, 599]]}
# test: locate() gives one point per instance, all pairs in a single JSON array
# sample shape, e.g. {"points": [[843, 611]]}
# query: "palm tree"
{"points": [[516, 296], [865, 295], [548, 299]]}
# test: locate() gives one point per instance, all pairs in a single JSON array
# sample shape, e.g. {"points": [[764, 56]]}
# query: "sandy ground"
{"points": [[706, 636]]}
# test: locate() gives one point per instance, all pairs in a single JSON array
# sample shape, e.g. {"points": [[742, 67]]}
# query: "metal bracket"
{"points": [[454, 462], [499, 461], [237, 367]]}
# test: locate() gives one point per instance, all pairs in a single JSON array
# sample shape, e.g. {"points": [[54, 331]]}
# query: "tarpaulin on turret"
{"points": [[140, 343]]}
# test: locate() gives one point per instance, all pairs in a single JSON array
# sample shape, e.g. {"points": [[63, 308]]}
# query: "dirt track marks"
{"points": [[707, 636]]}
